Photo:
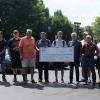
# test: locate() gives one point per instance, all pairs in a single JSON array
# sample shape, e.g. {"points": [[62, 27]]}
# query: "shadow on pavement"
{"points": [[73, 86], [6, 84], [29, 85]]}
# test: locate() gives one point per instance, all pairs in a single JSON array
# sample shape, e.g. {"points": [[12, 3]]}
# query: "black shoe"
{"points": [[46, 81], [32, 81], [62, 81], [82, 80], [4, 79], [70, 82], [93, 84], [15, 80], [40, 81], [85, 83], [56, 81]]}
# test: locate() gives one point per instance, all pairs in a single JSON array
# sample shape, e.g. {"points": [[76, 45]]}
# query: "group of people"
{"points": [[24, 55]]}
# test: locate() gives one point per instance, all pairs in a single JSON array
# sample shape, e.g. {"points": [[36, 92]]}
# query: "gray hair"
{"points": [[29, 31]]}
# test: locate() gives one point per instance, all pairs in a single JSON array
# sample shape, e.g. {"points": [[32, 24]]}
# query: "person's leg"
{"points": [[15, 74], [40, 67], [77, 72], [71, 72], [92, 65], [55, 64], [56, 75], [3, 67], [98, 67], [14, 68], [32, 74], [24, 69], [46, 74], [20, 69], [99, 73], [62, 75], [61, 66], [82, 69], [85, 69], [32, 64], [24, 74], [89, 74]]}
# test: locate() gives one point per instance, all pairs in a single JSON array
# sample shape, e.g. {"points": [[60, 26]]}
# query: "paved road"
{"points": [[51, 91]]}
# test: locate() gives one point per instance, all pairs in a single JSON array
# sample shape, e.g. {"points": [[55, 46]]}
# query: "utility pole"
{"points": [[77, 27]]}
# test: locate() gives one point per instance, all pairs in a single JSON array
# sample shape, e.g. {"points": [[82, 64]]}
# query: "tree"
{"points": [[60, 22], [96, 28], [89, 29], [23, 14]]}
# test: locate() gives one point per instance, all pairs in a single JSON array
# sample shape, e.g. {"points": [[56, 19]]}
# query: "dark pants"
{"points": [[3, 68], [41, 66], [89, 62], [76, 65]]}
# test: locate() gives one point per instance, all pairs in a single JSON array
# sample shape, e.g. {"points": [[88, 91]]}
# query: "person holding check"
{"points": [[58, 43], [43, 42]]}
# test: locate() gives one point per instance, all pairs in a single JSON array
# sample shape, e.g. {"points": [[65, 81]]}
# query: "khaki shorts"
{"points": [[29, 62]]}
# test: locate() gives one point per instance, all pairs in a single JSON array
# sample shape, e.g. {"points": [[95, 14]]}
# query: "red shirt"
{"points": [[90, 50]]}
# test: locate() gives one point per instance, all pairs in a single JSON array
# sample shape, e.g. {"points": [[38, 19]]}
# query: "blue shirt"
{"points": [[43, 43], [77, 48]]}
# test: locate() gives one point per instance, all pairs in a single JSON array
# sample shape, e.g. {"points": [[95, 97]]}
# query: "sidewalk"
{"points": [[51, 91]]}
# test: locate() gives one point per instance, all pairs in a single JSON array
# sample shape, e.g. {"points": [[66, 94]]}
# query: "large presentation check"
{"points": [[53, 54]]}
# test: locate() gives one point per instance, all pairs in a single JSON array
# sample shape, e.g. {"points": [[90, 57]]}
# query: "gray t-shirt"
{"points": [[59, 43]]}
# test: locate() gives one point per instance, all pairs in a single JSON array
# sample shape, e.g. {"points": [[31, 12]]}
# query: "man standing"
{"points": [[43, 42], [98, 62], [28, 54], [77, 52], [2, 55], [58, 43], [89, 50], [83, 41], [13, 49]]}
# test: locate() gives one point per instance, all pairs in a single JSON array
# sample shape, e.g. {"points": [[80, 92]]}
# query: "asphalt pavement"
{"points": [[44, 91]]}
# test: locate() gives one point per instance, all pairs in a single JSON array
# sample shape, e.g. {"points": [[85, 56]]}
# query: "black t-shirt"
{"points": [[3, 44], [13, 48]]}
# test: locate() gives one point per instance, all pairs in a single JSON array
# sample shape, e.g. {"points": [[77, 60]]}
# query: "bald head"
{"points": [[74, 36]]}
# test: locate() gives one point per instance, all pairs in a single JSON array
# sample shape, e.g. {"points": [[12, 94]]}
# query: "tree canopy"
{"points": [[96, 27], [60, 22], [23, 14]]}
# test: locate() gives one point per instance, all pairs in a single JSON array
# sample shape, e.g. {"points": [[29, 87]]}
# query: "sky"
{"points": [[84, 11]]}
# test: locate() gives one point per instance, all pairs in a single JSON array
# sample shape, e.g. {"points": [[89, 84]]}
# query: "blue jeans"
{"points": [[89, 62]]}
